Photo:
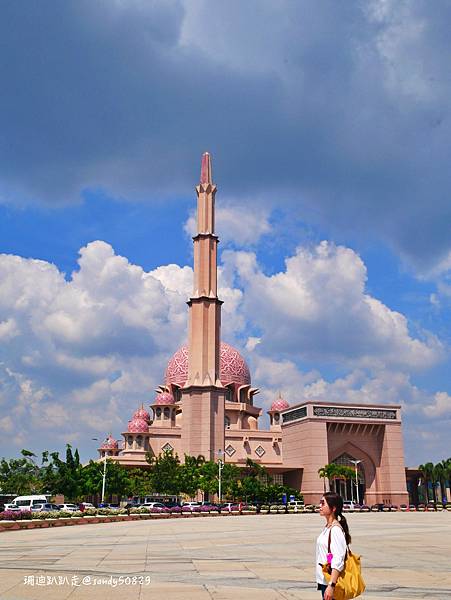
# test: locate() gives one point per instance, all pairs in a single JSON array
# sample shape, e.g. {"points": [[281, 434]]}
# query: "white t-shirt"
{"points": [[337, 548]]}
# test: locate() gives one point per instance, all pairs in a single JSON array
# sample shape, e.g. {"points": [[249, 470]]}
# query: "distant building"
{"points": [[206, 405]]}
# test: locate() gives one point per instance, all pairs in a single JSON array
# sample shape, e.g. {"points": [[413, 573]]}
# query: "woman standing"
{"points": [[331, 507]]}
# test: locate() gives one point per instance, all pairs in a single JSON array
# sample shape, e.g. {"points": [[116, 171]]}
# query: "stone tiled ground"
{"points": [[253, 557]]}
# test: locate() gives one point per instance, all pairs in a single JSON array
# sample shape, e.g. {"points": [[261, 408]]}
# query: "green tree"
{"points": [[165, 472], [62, 477], [140, 482], [190, 474], [20, 476], [209, 477]]}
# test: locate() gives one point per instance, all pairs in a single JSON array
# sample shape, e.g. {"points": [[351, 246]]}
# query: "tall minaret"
{"points": [[203, 396]]}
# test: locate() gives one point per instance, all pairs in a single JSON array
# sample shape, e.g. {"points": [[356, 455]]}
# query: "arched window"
{"points": [[139, 441], [158, 413], [166, 413], [227, 422]]}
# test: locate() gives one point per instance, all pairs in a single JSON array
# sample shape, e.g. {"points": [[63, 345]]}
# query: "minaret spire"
{"points": [[205, 307], [203, 396], [205, 169]]}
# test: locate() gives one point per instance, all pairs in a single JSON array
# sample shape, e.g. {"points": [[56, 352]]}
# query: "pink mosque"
{"points": [[206, 405]]}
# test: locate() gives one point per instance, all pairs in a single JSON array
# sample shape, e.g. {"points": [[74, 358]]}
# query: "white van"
{"points": [[26, 502]]}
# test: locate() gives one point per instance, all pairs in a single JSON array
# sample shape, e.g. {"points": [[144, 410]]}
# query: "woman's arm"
{"points": [[329, 593]]}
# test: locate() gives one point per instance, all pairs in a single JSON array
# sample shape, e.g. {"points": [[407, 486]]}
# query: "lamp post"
{"points": [[220, 454], [104, 472], [355, 463]]}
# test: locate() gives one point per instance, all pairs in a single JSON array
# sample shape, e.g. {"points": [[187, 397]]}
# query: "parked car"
{"points": [[159, 505], [25, 503], [69, 507], [171, 504], [84, 505], [298, 505], [45, 507], [190, 505], [227, 506]]}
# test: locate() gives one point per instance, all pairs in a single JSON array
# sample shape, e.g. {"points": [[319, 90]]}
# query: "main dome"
{"points": [[233, 367]]}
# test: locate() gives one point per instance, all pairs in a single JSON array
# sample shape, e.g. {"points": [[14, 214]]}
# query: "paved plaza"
{"points": [[404, 556]]}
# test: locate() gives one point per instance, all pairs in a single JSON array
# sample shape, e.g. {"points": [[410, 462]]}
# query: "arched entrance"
{"points": [[348, 489]]}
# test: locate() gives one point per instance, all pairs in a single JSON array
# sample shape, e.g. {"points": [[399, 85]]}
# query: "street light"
{"points": [[355, 463], [104, 471], [220, 454]]}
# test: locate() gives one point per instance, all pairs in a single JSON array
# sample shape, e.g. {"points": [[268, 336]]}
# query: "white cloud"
{"points": [[241, 225], [440, 406], [79, 355], [318, 309], [89, 349]]}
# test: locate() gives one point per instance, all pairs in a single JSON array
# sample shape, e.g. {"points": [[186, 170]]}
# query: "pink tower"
{"points": [[203, 396]]}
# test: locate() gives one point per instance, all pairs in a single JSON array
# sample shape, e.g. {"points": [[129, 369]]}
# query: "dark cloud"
{"points": [[339, 110]]}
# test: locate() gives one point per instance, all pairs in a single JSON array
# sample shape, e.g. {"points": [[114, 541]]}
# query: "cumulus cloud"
{"points": [[318, 309], [79, 353], [236, 224]]}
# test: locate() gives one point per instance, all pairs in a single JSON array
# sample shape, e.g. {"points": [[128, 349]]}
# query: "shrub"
{"points": [[14, 515], [176, 510], [90, 512]]}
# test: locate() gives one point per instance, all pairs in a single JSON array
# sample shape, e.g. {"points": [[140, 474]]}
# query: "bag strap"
{"points": [[348, 549]]}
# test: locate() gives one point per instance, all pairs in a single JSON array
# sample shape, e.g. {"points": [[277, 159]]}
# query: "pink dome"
{"points": [[164, 398], [109, 443], [233, 367], [279, 404], [138, 426], [141, 413]]}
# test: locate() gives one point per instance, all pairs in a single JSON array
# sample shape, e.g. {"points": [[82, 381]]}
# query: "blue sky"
{"points": [[329, 129]]}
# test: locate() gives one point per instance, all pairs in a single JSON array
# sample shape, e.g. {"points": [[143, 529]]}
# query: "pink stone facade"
{"points": [[206, 405]]}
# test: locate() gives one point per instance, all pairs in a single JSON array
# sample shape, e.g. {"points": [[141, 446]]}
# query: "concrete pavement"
{"points": [[404, 556]]}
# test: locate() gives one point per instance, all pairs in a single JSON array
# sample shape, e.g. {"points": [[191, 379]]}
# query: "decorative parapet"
{"points": [[354, 413], [311, 410], [294, 415]]}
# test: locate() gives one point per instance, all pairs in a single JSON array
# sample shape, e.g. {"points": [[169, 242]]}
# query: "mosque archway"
{"points": [[348, 489]]}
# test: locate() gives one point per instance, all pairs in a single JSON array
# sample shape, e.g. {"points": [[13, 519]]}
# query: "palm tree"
{"points": [[446, 477], [426, 473], [329, 471], [437, 477]]}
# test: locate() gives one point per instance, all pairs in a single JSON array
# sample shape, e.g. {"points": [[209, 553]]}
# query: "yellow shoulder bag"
{"points": [[350, 582]]}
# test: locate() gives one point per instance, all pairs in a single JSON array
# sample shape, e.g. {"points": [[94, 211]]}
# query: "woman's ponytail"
{"points": [[344, 525]]}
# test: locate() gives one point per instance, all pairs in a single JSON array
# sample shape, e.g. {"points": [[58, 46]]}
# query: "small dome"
{"points": [[109, 443], [279, 404], [233, 367], [141, 413], [164, 398], [138, 426]]}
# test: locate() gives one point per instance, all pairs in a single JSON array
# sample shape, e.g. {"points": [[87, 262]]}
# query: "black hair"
{"points": [[335, 501]]}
